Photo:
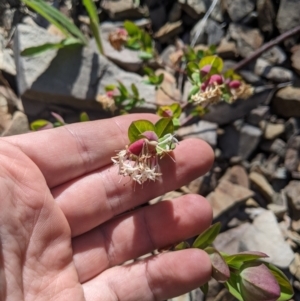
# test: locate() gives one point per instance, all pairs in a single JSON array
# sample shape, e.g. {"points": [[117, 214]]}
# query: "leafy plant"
{"points": [[73, 36]]}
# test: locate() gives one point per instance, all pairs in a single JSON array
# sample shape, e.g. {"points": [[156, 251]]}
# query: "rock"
{"points": [[227, 196], [7, 63], [251, 78], [126, 58], [224, 113], [123, 9], [175, 13], [241, 142], [261, 184], [292, 191], [211, 32], [72, 77], [237, 175], [229, 241], [258, 114], [195, 295], [194, 8], [247, 39], [265, 16], [227, 50], [286, 102], [279, 205], [18, 125], [277, 146], [294, 266], [275, 56], [295, 58], [288, 17], [168, 91], [291, 160], [168, 31], [204, 130], [272, 130], [263, 235], [277, 74], [5, 116], [237, 10], [158, 16], [292, 127]]}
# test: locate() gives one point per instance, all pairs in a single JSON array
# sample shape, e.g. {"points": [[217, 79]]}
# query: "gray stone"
{"points": [[295, 266], [292, 127], [239, 142], [251, 78], [71, 76], [7, 63], [247, 39], [275, 56], [288, 17], [295, 58], [291, 161], [277, 146], [229, 241], [227, 196], [264, 235], [224, 113], [227, 49], [292, 191], [286, 102], [277, 74], [211, 32], [258, 114], [265, 16], [121, 9], [126, 58], [237, 175], [238, 9], [261, 184], [168, 31], [204, 130], [18, 125], [272, 130]]}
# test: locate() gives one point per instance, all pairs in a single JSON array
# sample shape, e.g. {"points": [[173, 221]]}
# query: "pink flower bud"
{"points": [[110, 94], [150, 135], [216, 78], [205, 70], [167, 113], [122, 32], [136, 147], [204, 85], [258, 283], [235, 84]]}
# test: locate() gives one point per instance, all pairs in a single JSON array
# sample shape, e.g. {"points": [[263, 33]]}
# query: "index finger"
{"points": [[67, 152]]}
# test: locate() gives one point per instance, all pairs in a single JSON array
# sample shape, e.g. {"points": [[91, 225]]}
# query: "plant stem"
{"points": [[257, 53], [169, 95]]}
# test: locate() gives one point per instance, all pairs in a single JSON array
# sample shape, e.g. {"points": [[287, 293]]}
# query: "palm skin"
{"points": [[66, 227]]}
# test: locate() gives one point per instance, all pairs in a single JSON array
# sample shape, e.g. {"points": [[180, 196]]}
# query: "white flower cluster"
{"points": [[140, 169], [211, 95]]}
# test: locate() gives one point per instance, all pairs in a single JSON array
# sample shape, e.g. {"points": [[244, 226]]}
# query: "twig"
{"points": [[257, 53], [169, 95]]}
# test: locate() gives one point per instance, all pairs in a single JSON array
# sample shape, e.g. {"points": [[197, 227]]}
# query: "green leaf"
{"points": [[146, 40], [215, 61], [133, 43], [143, 55], [236, 260], [84, 117], [164, 126], [132, 29], [204, 288], [94, 22], [160, 78], [181, 246], [233, 286], [195, 89], [39, 124], [149, 71], [176, 123], [212, 49], [48, 46], [110, 87], [191, 67], [139, 127], [286, 290], [176, 109], [200, 54], [207, 237], [123, 90], [135, 91], [196, 78], [54, 16]]}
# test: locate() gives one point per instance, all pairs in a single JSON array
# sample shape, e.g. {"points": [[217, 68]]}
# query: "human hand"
{"points": [[64, 226]]}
